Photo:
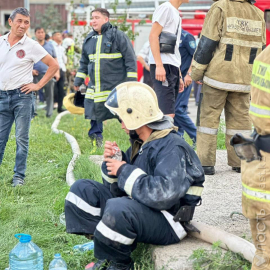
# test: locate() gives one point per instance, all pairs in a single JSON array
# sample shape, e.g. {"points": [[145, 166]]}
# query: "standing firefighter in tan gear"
{"points": [[233, 35], [256, 168]]}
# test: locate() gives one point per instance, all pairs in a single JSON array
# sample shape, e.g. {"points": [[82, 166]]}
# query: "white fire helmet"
{"points": [[135, 103]]}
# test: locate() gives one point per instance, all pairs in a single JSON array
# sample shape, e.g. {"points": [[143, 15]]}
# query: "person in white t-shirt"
{"points": [[17, 58], [164, 67]]}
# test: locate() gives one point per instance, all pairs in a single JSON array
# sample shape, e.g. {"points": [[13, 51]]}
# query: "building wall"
{"points": [[42, 8], [6, 6]]}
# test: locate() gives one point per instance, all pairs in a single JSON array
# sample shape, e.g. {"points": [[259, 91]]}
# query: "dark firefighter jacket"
{"points": [[165, 174], [233, 35], [108, 59]]}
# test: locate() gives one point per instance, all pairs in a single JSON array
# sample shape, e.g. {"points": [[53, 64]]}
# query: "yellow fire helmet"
{"points": [[69, 104], [135, 103]]}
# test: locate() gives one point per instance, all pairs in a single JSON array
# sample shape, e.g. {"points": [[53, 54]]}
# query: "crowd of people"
{"points": [[159, 180]]}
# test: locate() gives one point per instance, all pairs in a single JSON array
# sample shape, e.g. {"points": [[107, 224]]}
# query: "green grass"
{"points": [[218, 259], [35, 207]]}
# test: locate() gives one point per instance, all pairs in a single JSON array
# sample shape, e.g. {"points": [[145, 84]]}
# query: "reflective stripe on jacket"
{"points": [[106, 69], [256, 174]]}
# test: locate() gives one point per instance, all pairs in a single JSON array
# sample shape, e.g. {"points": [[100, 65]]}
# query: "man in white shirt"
{"points": [[62, 60], [18, 55], [164, 67]]}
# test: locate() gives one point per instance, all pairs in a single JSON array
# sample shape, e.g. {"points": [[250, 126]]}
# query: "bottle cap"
{"points": [[57, 255], [24, 238]]}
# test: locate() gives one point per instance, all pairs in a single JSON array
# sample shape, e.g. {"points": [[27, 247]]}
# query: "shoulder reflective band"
{"points": [[132, 74], [243, 43], [206, 130], [131, 180], [112, 235], [259, 111], [110, 55], [81, 75], [256, 194], [80, 203], [226, 86], [261, 76], [197, 191]]}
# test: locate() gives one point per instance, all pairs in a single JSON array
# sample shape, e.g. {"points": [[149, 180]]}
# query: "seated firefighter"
{"points": [[158, 178]]}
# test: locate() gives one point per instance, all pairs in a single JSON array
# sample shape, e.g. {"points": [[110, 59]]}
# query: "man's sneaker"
{"points": [[99, 265], [237, 169], [121, 266], [99, 142], [17, 182], [96, 141], [209, 170]]}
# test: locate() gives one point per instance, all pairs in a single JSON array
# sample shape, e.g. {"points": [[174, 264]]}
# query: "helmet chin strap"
{"points": [[133, 135]]}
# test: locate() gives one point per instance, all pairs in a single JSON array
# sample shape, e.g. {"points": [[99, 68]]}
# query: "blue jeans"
{"points": [[181, 118], [96, 128], [19, 107]]}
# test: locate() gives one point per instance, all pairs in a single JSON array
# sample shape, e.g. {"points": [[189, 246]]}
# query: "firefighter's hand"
{"points": [[30, 87], [76, 88], [188, 80], [113, 165], [181, 86], [109, 149], [199, 82], [160, 73]]}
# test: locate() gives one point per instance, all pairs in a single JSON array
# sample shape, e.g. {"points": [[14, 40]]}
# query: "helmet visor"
{"points": [[112, 101]]}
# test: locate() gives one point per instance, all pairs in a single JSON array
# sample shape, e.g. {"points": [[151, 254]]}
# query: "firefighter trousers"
{"points": [[212, 102], [117, 223]]}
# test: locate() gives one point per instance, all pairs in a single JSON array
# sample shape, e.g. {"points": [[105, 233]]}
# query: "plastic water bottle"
{"points": [[25, 255], [58, 263], [84, 247]]}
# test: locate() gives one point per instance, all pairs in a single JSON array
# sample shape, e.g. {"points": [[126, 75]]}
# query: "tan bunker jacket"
{"points": [[233, 35]]}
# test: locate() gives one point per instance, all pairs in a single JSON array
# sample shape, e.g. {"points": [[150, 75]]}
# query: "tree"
{"points": [[51, 19]]}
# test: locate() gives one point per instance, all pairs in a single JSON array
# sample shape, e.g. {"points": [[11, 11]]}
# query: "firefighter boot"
{"points": [[99, 265], [209, 170], [121, 266]]}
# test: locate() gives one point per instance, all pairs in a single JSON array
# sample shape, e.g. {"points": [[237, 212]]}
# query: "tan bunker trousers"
{"points": [[213, 101]]}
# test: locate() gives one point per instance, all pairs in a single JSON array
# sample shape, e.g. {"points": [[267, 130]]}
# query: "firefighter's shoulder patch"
{"points": [[192, 44]]}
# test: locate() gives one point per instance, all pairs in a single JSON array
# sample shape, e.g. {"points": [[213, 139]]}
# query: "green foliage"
{"points": [[51, 19], [217, 259], [121, 21], [221, 136]]}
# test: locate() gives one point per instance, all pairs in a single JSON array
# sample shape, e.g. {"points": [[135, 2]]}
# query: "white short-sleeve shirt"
{"points": [[16, 62], [169, 18]]}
